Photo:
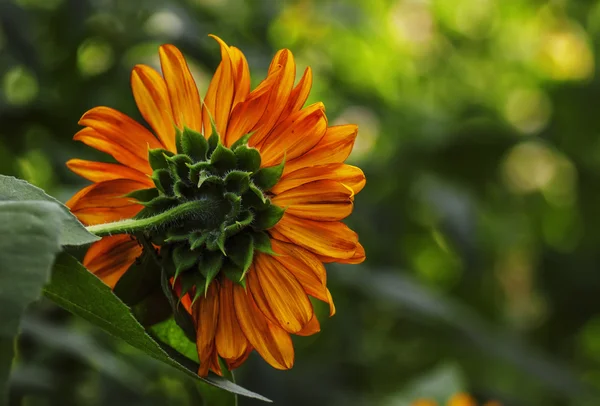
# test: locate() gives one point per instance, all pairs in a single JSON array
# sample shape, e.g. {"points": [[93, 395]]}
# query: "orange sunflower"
{"points": [[242, 192]]}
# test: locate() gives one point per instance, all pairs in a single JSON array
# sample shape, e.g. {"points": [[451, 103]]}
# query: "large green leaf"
{"points": [[72, 231], [29, 241], [77, 290]]}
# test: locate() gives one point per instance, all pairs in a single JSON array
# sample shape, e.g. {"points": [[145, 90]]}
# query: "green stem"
{"points": [[235, 396], [132, 226]]}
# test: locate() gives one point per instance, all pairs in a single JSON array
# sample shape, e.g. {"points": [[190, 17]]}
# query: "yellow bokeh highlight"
{"points": [[94, 56], [20, 86]]}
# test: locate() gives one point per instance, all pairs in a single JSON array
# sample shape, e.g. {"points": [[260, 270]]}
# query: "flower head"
{"points": [[243, 193]]}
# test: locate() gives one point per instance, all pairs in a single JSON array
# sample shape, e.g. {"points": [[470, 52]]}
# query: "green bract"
{"points": [[222, 194]]}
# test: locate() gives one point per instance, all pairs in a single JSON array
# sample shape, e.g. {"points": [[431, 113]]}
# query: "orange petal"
{"points": [[215, 366], [334, 147], [233, 364], [105, 201], [270, 340], [324, 200], [349, 175], [358, 257], [331, 238], [242, 75], [279, 95], [206, 316], [219, 97], [230, 340], [284, 295], [182, 90], [311, 328], [307, 269], [294, 136], [152, 98], [123, 132], [298, 96], [246, 115], [100, 171], [110, 257]]}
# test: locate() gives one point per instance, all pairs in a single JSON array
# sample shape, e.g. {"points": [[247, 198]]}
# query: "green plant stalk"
{"points": [[132, 226]]}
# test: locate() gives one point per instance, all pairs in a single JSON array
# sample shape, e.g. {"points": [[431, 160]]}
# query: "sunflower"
{"points": [[242, 192]]}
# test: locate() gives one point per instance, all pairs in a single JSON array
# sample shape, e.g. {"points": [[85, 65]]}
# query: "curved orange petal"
{"points": [[101, 171], [298, 96], [219, 97], [312, 327], [94, 139], [270, 340], [349, 175], [230, 340], [283, 61], [152, 98], [110, 257], [294, 136], [233, 364], [242, 75], [105, 201], [331, 238], [285, 297], [334, 147], [324, 200], [307, 269], [181, 87], [206, 315], [123, 133], [246, 115], [358, 257]]}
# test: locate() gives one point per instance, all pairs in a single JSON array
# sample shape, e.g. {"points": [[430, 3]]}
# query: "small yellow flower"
{"points": [[274, 173]]}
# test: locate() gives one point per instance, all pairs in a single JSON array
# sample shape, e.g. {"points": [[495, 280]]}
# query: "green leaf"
{"points": [[266, 178], [29, 241], [140, 281], [267, 218], [157, 158], [80, 292], [72, 231], [248, 159], [194, 144], [169, 332]]}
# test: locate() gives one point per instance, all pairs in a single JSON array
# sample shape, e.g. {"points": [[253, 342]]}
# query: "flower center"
{"points": [[227, 192]]}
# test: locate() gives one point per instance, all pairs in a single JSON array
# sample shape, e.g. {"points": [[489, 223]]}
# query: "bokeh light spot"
{"points": [[94, 56], [20, 86]]}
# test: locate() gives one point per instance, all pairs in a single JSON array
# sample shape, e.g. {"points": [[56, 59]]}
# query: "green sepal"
{"points": [[223, 159], [144, 195], [191, 280], [215, 180], [262, 243], [255, 197], [242, 141], [178, 141], [266, 178], [176, 236], [215, 240], [163, 181], [237, 181], [197, 240], [157, 158], [267, 218], [236, 204], [179, 166], [198, 168], [194, 144], [209, 266], [244, 219], [248, 159], [234, 273], [183, 259], [183, 189], [213, 141], [240, 250], [160, 204]]}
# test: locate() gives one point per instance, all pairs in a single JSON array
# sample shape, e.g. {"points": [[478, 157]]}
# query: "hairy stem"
{"points": [[132, 226]]}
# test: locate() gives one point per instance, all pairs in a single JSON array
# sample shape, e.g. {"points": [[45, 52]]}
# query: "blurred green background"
{"points": [[480, 138]]}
